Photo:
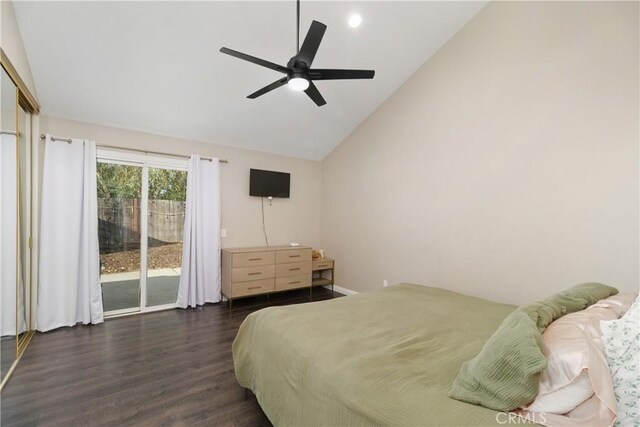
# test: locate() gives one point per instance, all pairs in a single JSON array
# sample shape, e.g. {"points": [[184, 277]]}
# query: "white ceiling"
{"points": [[155, 66]]}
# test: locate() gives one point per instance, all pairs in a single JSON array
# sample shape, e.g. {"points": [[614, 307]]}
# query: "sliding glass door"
{"points": [[141, 207], [167, 199]]}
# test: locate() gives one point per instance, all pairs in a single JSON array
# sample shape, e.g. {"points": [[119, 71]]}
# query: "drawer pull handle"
{"points": [[294, 256], [293, 283], [255, 259], [255, 274], [255, 287], [294, 269]]}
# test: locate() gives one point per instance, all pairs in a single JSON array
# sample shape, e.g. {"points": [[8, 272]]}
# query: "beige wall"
{"points": [[295, 219], [506, 167], [11, 42]]}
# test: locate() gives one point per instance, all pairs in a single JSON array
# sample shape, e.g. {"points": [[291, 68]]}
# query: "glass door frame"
{"points": [[144, 161]]}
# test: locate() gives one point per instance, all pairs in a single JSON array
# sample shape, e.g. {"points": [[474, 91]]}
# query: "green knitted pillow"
{"points": [[505, 374]]}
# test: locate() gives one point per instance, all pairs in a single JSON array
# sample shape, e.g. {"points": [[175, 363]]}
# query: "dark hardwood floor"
{"points": [[168, 368]]}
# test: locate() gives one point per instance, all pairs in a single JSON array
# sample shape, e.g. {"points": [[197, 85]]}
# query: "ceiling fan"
{"points": [[299, 74]]}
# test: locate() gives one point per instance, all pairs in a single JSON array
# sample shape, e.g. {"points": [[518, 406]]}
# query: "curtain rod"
{"points": [[10, 132], [55, 138]]}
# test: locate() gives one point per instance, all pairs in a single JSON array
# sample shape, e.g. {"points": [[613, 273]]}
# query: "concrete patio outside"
{"points": [[122, 290]]}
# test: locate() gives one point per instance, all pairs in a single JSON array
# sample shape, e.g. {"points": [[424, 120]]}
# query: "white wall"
{"points": [[295, 219], [11, 42], [506, 167]]}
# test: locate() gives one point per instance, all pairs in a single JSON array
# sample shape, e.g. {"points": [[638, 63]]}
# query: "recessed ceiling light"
{"points": [[355, 20]]}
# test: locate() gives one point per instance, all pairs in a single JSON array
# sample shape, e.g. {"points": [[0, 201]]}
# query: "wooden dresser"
{"points": [[264, 270]]}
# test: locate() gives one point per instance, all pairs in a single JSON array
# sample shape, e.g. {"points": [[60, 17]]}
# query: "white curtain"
{"points": [[9, 267], [200, 275], [69, 255]]}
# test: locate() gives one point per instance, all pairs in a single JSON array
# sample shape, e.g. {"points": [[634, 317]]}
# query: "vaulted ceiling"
{"points": [[155, 66]]}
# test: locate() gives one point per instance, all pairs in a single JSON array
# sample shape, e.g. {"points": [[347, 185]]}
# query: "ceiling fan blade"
{"points": [[311, 43], [255, 60], [319, 74], [315, 95], [268, 88]]}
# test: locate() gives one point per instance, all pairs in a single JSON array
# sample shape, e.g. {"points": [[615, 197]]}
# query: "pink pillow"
{"points": [[576, 387]]}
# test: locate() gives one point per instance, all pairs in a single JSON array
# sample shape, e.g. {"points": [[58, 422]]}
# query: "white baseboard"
{"points": [[342, 290]]}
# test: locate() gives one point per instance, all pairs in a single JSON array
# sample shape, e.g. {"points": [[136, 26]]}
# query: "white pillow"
{"points": [[621, 339], [576, 388], [565, 398]]}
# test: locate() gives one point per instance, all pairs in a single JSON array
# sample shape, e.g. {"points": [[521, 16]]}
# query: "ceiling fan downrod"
{"points": [[297, 27]]}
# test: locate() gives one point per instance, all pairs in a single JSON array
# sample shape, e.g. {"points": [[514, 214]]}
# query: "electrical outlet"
{"points": [[385, 283], [223, 232]]}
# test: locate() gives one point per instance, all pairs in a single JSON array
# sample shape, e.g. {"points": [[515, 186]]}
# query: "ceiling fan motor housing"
{"points": [[297, 69]]}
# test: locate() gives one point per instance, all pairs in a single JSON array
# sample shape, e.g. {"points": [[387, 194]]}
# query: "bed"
{"points": [[382, 358]]}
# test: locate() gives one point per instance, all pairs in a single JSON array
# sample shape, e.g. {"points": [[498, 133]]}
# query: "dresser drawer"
{"points": [[293, 269], [322, 264], [254, 287], [293, 255], [253, 258], [293, 282], [244, 274]]}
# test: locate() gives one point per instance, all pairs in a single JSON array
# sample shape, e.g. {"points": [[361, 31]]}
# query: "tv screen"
{"points": [[269, 183]]}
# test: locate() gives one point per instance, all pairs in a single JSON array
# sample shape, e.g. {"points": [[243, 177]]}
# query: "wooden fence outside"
{"points": [[119, 223]]}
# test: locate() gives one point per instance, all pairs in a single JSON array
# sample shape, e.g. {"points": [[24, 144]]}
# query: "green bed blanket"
{"points": [[381, 358]]}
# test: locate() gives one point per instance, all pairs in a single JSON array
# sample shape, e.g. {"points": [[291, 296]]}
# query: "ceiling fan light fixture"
{"points": [[298, 84]]}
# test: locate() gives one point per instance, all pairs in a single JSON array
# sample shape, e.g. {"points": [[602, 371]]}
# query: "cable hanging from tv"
{"points": [[264, 229]]}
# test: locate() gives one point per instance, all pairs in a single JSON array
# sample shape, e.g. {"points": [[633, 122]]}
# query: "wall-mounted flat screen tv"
{"points": [[269, 183]]}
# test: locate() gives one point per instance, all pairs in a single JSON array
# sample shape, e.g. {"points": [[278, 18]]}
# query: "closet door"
{"points": [[10, 320], [17, 106]]}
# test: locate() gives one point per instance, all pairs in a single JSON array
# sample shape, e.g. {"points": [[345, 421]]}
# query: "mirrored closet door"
{"points": [[9, 318], [16, 196]]}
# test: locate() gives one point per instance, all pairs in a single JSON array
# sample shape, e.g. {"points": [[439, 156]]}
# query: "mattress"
{"points": [[380, 358]]}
